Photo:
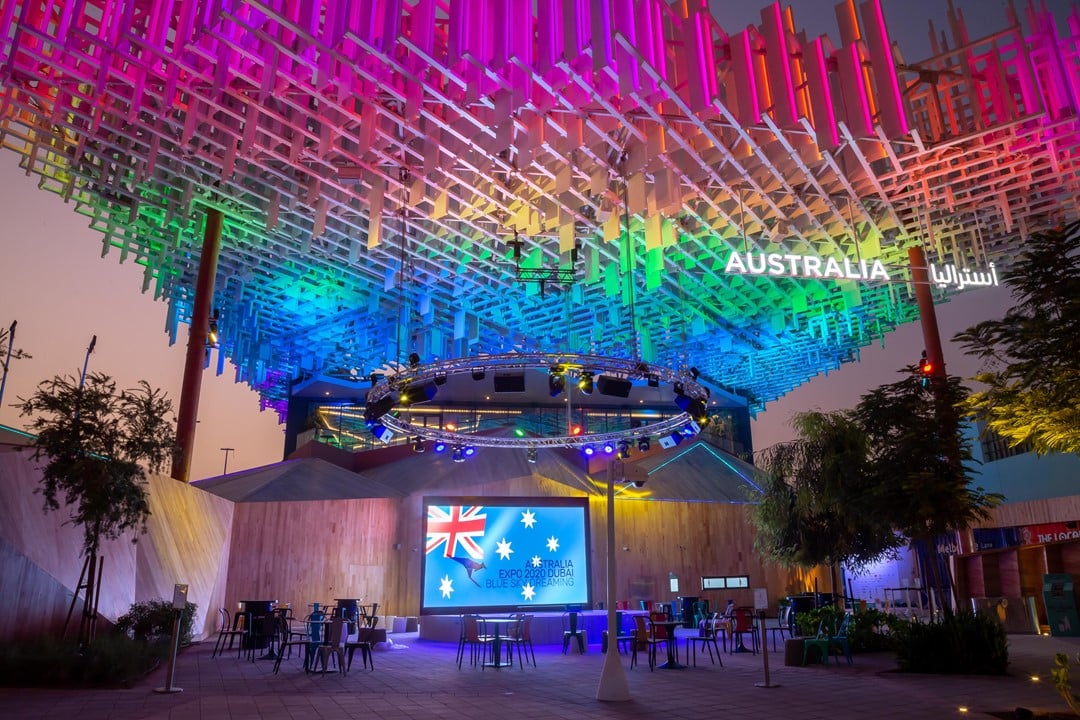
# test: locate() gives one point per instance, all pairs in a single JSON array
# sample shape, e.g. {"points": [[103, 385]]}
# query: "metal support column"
{"points": [[196, 350]]}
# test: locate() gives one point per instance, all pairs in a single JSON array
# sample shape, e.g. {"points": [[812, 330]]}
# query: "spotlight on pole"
{"points": [[530, 455], [624, 449], [418, 445]]}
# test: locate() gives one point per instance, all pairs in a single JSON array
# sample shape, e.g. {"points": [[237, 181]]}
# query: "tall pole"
{"points": [[920, 276], [196, 349], [613, 685], [7, 360]]}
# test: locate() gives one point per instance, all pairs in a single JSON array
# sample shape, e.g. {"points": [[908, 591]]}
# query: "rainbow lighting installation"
{"points": [[457, 178]]}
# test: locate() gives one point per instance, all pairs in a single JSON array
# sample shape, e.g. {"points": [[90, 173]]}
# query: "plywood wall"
{"points": [[305, 552], [317, 551], [43, 545], [187, 542], [1033, 512]]}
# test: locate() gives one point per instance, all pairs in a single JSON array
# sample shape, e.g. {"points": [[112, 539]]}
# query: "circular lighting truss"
{"points": [[385, 394]]}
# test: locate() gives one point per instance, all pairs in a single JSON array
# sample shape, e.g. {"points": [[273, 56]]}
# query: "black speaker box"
{"points": [[614, 387], [510, 383]]}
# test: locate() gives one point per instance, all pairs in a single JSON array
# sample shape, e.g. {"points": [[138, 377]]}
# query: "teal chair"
{"points": [[821, 642]]}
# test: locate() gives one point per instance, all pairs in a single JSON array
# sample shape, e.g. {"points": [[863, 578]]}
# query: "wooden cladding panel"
{"points": [[303, 552], [48, 542], [187, 542], [1033, 512], [1009, 573]]}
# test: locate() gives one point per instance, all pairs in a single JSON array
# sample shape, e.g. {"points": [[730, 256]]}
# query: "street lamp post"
{"points": [[613, 686], [7, 361], [225, 470]]}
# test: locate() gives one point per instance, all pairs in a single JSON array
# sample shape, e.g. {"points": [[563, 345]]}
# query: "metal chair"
{"points": [[521, 638], [572, 630], [362, 641], [742, 623], [226, 631], [707, 640]]}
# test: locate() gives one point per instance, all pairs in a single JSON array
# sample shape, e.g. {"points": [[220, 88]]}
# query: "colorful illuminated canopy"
{"points": [[456, 177]]}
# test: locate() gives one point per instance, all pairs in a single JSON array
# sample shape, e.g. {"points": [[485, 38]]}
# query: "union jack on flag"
{"points": [[456, 525]]}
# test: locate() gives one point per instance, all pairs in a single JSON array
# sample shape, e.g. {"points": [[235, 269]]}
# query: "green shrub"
{"points": [[112, 660], [868, 631], [960, 642], [1060, 675], [153, 619]]}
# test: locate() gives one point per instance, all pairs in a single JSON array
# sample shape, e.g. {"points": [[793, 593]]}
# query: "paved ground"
{"points": [[420, 680]]}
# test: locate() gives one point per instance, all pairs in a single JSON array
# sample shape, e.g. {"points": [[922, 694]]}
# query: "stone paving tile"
{"points": [[420, 681]]}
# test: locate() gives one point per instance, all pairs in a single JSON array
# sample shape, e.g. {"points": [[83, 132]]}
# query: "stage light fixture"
{"points": [[643, 445], [377, 409], [439, 446], [691, 429], [556, 382], [585, 382], [694, 373], [588, 450], [478, 374], [624, 449], [530, 454], [609, 448], [418, 445], [669, 441], [414, 360], [382, 433], [440, 379], [457, 455], [468, 451], [653, 380], [575, 430]]}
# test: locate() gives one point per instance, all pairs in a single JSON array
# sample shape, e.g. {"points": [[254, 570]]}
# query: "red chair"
{"points": [[742, 622]]}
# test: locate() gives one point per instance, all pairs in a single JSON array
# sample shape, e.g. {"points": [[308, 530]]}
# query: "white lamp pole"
{"points": [[613, 685]]}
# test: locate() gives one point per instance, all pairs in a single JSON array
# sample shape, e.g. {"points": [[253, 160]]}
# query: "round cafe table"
{"points": [[497, 624], [672, 662]]}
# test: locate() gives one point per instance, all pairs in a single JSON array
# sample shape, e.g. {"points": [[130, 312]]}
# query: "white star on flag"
{"points": [[446, 586], [536, 561], [528, 518], [552, 543], [527, 591], [503, 549]]}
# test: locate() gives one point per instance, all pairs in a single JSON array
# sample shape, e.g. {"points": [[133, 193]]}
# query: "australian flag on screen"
{"points": [[500, 555]]}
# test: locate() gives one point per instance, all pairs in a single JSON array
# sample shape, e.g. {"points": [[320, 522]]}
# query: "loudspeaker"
{"points": [[510, 383], [614, 387], [383, 434]]}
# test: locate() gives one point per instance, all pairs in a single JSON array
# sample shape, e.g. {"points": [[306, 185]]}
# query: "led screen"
{"points": [[504, 554]]}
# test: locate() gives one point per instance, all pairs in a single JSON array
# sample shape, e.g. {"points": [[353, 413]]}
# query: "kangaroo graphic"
{"points": [[471, 566]]}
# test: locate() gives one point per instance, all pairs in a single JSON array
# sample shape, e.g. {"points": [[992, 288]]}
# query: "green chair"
{"points": [[822, 642]]}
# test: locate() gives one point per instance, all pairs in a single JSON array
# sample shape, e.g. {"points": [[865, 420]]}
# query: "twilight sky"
{"points": [[59, 289]]}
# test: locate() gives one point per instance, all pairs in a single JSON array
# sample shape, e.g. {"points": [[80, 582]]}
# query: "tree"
{"points": [[817, 502], [1032, 355], [95, 441], [919, 459]]}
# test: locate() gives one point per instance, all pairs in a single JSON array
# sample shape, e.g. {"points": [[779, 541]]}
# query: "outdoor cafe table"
{"points": [[672, 663], [498, 623]]}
